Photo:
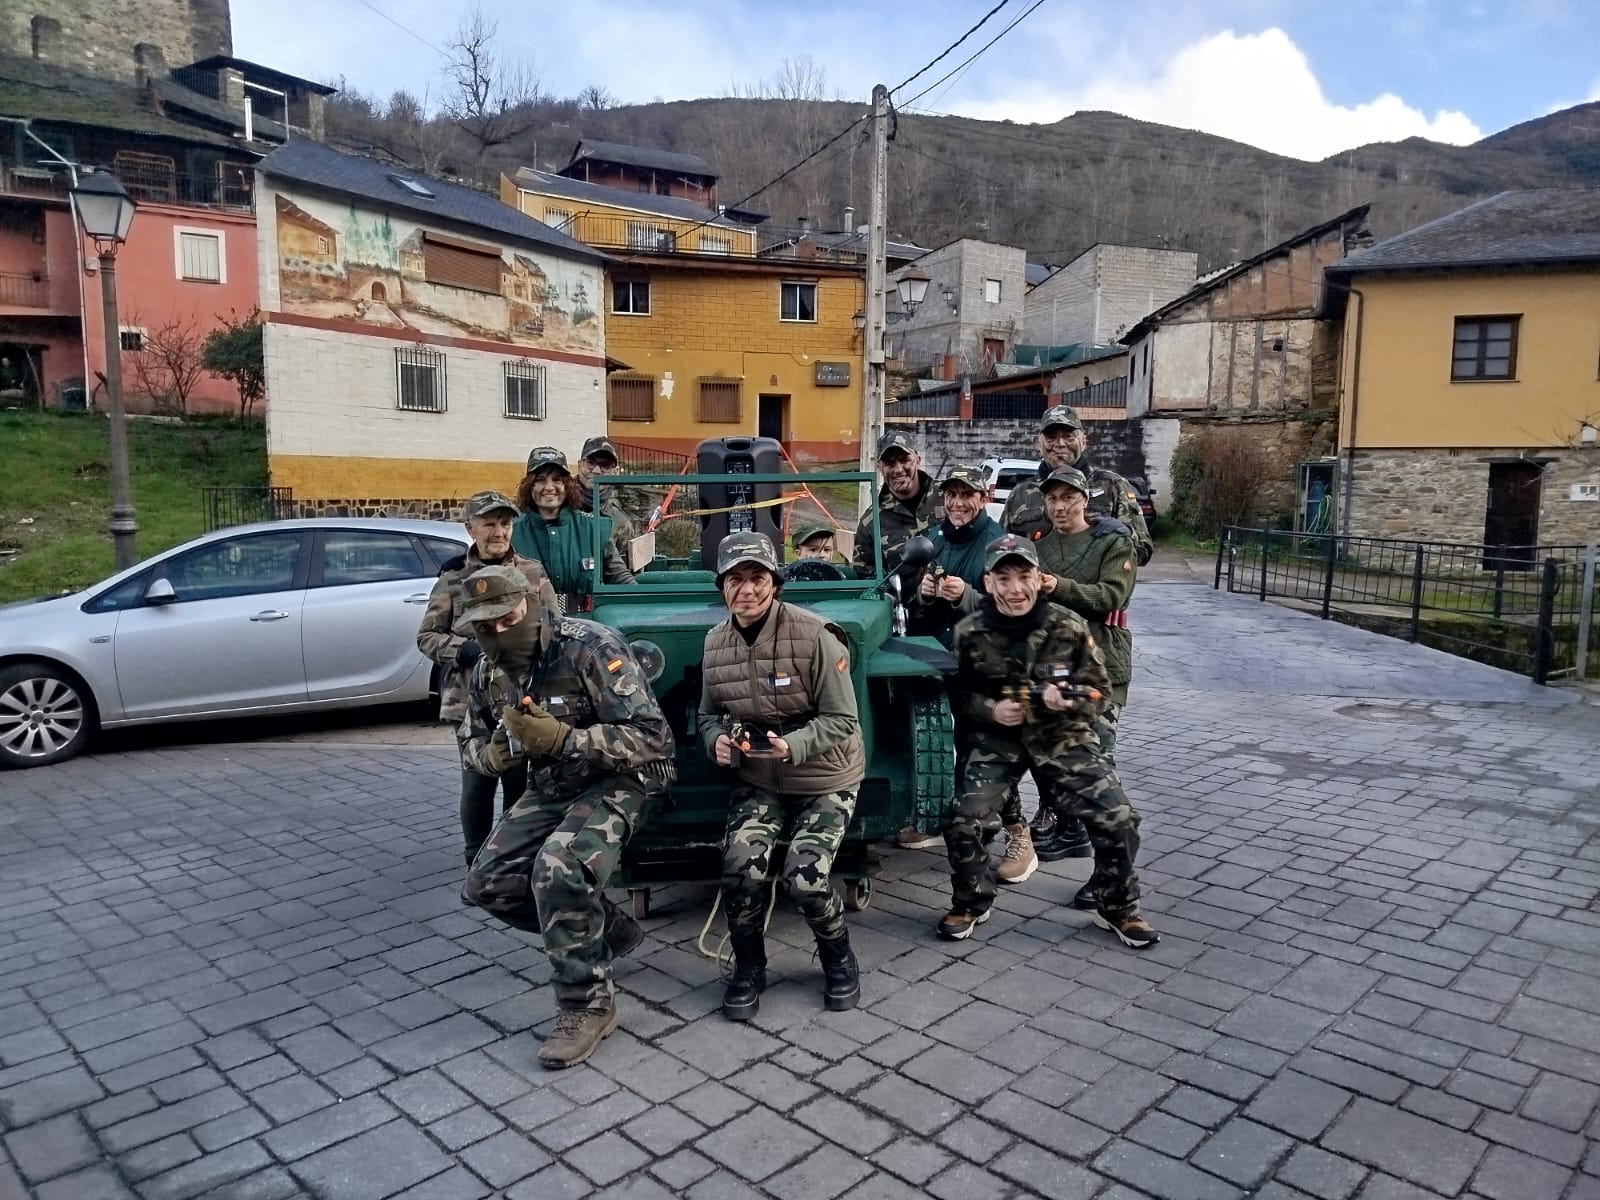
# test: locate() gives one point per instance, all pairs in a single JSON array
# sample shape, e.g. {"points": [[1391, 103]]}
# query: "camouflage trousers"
{"points": [[1077, 782], [544, 869], [477, 802], [757, 822], [1106, 726]]}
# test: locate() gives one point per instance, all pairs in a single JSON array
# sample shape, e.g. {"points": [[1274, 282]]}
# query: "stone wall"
{"points": [[945, 442], [98, 37], [1283, 443], [1443, 495]]}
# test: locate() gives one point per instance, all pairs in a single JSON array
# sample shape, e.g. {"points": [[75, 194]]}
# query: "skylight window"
{"points": [[412, 186]]}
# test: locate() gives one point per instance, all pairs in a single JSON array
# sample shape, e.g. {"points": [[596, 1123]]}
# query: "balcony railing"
{"points": [[650, 235], [34, 181], [234, 189], [24, 289]]}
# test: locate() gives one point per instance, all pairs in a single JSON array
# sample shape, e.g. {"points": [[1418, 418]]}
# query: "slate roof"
{"points": [[47, 93], [175, 95], [598, 193], [304, 161], [645, 157], [1540, 226], [257, 73]]}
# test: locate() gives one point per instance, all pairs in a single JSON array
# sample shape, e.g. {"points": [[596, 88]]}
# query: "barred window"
{"points": [[718, 401], [631, 398], [525, 390], [419, 378]]}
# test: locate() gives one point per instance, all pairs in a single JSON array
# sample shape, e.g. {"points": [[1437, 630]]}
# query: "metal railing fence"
{"points": [[227, 506], [1531, 607]]}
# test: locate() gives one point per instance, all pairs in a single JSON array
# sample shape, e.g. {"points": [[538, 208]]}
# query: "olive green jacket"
{"points": [[1094, 578]]}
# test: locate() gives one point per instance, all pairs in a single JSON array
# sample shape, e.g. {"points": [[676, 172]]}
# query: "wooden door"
{"points": [[1511, 524]]}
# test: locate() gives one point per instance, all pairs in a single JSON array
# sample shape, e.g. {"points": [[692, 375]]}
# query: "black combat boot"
{"points": [[841, 986], [743, 997], [1070, 840]]}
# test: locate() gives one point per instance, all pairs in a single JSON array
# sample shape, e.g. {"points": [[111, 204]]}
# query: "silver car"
{"points": [[274, 618]]}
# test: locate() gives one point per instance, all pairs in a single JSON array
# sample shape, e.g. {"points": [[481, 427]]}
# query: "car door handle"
{"points": [[417, 598], [270, 614]]}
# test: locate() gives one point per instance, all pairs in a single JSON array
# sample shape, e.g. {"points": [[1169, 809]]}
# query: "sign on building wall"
{"points": [[832, 374], [342, 262]]}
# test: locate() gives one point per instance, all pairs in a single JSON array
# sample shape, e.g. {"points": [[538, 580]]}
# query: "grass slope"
{"points": [[55, 491]]}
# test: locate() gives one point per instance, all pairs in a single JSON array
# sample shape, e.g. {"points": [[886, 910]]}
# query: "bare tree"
{"points": [[493, 97], [596, 98], [412, 135], [168, 366]]}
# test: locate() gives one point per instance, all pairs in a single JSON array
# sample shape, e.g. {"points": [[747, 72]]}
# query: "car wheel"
{"points": [[46, 715]]}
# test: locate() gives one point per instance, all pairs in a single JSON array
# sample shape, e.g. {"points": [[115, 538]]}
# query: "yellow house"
{"points": [[720, 329], [1470, 375]]}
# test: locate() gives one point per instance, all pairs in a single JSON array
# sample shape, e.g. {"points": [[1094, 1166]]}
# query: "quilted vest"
{"points": [[743, 681]]}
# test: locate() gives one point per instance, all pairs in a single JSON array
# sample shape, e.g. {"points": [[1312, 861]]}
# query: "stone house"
{"points": [[1250, 345], [1468, 393], [971, 315]]}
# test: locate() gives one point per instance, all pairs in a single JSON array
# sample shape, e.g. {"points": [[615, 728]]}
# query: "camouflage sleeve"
{"points": [[435, 636], [1125, 508], [479, 723], [631, 730], [861, 556], [540, 578], [974, 693], [614, 568], [1113, 583], [834, 693], [1089, 669]]}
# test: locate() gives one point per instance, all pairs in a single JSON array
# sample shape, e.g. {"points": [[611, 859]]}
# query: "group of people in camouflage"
{"points": [[555, 709]]}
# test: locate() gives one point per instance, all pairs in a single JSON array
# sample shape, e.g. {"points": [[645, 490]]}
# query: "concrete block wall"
{"points": [[963, 266], [1102, 293]]}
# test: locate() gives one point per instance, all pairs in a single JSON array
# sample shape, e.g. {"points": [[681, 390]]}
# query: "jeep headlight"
{"points": [[652, 660]]}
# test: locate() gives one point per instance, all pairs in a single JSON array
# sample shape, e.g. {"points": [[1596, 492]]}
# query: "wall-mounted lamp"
{"points": [[859, 320], [1588, 435], [949, 294]]}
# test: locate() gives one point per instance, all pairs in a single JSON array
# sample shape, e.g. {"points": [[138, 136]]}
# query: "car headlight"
{"points": [[651, 658]]}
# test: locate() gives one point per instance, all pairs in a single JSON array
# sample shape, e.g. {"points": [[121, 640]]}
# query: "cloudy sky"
{"points": [[1297, 78]]}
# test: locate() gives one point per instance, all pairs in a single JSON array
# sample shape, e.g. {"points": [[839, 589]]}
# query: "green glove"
{"points": [[539, 732], [497, 756]]}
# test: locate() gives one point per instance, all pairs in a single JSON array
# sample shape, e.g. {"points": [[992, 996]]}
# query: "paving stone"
{"points": [[464, 1127], [1560, 1101], [374, 1164], [1161, 1176], [1280, 1024], [51, 1147], [554, 1183], [757, 1144], [1532, 1137], [1120, 1097], [845, 1123], [324, 1128], [1318, 1173], [506, 1157], [1415, 1149], [912, 1159], [1167, 1134], [207, 1176], [1508, 1174], [92, 1183], [680, 1170], [821, 1175]]}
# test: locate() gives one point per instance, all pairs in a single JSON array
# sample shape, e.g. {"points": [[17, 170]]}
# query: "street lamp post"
{"points": [[105, 212]]}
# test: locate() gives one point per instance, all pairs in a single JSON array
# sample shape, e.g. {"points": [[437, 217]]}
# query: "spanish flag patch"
{"points": [[842, 664], [614, 665]]}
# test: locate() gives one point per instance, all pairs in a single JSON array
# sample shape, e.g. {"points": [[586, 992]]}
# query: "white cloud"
{"points": [[1254, 88]]}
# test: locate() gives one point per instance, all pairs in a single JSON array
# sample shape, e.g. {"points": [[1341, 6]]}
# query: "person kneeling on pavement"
{"points": [[1030, 682], [566, 696], [778, 705]]}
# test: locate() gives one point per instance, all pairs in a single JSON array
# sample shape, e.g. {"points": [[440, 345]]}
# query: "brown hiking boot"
{"points": [[957, 926], [578, 1031], [1019, 861], [1133, 931]]}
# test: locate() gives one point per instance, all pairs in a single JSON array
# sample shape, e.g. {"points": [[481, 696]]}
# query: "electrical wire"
{"points": [[925, 68], [969, 61], [402, 28]]}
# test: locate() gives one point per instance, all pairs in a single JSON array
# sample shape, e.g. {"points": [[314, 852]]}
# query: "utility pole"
{"points": [[872, 364]]}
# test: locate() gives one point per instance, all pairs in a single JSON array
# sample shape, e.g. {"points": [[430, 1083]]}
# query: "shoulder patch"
{"points": [[843, 664], [1127, 564], [614, 665]]}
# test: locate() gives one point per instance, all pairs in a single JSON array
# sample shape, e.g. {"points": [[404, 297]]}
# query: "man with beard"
{"points": [[907, 505], [599, 457], [778, 705], [488, 519], [1113, 509], [1029, 684], [566, 696]]}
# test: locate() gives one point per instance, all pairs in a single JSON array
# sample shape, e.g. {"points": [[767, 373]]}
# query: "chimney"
{"points": [[46, 39], [849, 218], [804, 224], [230, 87], [149, 62]]}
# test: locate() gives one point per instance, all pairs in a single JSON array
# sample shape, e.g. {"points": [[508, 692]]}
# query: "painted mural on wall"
{"points": [[349, 263]]}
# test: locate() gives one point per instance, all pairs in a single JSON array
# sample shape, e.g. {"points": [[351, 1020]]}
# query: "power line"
{"points": [[402, 28], [948, 49], [1018, 21]]}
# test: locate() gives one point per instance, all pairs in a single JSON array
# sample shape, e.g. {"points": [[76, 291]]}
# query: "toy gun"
{"points": [[1030, 694], [512, 744]]}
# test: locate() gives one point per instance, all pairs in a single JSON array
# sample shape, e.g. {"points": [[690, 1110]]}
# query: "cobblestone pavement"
{"points": [[242, 971]]}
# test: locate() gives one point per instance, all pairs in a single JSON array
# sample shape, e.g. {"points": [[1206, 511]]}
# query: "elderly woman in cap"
{"points": [[488, 517], [554, 530], [952, 585]]}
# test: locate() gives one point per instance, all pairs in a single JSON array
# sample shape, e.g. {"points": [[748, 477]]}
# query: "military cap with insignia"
{"points": [[750, 547], [1010, 546], [1067, 477], [1061, 414], [966, 476], [546, 456], [481, 504], [600, 445], [895, 441], [492, 592]]}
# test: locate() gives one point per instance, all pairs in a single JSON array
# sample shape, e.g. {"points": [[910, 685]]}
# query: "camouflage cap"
{"points": [[965, 476], [804, 533], [492, 592], [1068, 476], [895, 440], [1061, 414], [546, 456], [482, 503], [599, 445], [749, 547], [1010, 546]]}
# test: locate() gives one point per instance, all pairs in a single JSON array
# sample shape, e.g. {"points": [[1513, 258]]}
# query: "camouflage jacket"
{"points": [[899, 521], [437, 636], [587, 679], [1113, 496], [991, 663], [623, 530]]}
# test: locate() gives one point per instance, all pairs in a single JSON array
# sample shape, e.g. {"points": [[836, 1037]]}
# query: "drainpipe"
{"points": [[1355, 403], [78, 271]]}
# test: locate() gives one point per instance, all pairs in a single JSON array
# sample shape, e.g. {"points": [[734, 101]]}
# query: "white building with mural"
{"points": [[420, 336]]}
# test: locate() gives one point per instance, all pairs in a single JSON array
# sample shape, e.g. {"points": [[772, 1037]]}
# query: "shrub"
{"points": [[1218, 475]]}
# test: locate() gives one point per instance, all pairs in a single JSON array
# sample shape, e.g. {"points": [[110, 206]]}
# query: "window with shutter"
{"points": [[455, 263], [718, 401], [631, 398], [200, 256]]}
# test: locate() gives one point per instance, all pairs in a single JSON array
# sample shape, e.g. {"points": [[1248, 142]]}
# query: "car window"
{"points": [[352, 556], [443, 549], [1010, 479], [127, 594], [241, 566]]}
